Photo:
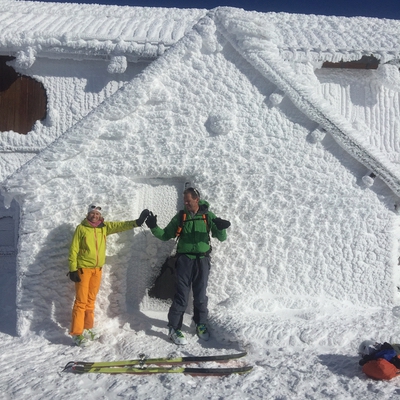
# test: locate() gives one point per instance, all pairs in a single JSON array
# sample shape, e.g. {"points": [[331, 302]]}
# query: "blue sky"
{"points": [[348, 8]]}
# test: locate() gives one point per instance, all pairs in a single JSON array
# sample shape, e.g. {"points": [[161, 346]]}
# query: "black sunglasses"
{"points": [[95, 208]]}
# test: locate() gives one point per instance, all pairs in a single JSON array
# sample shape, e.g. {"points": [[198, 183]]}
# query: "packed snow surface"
{"points": [[309, 268]]}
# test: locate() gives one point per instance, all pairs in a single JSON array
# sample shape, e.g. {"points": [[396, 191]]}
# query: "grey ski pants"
{"points": [[190, 274]]}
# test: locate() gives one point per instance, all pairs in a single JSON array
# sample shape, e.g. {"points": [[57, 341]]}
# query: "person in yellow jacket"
{"points": [[87, 256]]}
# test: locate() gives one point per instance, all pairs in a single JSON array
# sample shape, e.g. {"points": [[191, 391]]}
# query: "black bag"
{"points": [[164, 285]]}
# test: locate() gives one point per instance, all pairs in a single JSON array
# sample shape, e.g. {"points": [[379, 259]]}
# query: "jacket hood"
{"points": [[203, 205]]}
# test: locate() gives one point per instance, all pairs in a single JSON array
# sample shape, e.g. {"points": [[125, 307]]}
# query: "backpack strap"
{"points": [[205, 219], [183, 218]]}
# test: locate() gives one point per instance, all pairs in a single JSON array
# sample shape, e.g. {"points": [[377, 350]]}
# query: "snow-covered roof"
{"points": [[271, 42], [261, 45], [82, 30], [302, 37]]}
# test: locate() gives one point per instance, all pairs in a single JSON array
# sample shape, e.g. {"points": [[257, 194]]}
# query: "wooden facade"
{"points": [[23, 100]]}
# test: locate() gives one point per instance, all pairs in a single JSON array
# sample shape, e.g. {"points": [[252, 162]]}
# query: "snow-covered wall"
{"points": [[369, 101], [73, 89], [305, 230]]}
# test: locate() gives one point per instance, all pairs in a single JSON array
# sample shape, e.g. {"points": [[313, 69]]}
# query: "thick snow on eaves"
{"points": [[39, 24], [301, 37]]}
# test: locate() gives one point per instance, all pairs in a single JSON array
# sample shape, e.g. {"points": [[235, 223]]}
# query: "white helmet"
{"points": [[368, 347]]}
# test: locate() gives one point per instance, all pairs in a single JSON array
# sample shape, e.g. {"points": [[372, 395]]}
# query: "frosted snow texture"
{"points": [[309, 269], [67, 28], [264, 175]]}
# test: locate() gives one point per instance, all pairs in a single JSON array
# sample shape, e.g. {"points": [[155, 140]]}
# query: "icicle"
{"points": [[276, 98], [369, 179], [53, 117], [389, 76], [117, 65], [318, 134], [25, 59], [8, 198]]}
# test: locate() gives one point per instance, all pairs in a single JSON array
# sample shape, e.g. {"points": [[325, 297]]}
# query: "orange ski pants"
{"points": [[85, 298]]}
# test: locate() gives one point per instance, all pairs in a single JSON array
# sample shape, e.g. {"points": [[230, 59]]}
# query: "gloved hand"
{"points": [[74, 276], [151, 220], [143, 215], [221, 223]]}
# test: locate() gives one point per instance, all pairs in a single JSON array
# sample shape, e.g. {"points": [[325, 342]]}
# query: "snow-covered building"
{"points": [[79, 55], [301, 156]]}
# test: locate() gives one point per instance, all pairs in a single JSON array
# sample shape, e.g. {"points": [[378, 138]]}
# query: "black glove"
{"points": [[151, 220], [221, 223], [143, 215], [74, 276]]}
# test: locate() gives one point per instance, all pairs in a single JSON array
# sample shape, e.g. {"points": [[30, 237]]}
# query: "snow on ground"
{"points": [[302, 340], [324, 365]]}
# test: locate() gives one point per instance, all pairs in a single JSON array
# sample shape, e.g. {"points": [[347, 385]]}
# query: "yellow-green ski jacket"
{"points": [[88, 247]]}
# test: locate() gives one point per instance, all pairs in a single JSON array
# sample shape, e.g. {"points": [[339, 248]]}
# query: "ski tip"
{"points": [[236, 355], [245, 369], [68, 366]]}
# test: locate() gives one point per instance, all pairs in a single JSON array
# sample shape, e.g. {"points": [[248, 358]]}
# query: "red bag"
{"points": [[380, 369]]}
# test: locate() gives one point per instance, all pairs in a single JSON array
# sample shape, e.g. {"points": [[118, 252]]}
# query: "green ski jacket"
{"points": [[194, 239]]}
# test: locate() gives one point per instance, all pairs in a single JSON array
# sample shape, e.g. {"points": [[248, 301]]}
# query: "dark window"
{"points": [[365, 62], [22, 99]]}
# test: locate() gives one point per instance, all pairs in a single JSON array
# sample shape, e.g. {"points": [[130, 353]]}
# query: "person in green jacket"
{"points": [[87, 256], [192, 226]]}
